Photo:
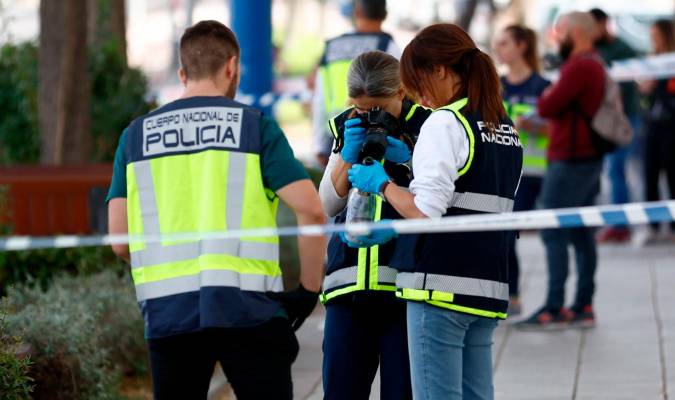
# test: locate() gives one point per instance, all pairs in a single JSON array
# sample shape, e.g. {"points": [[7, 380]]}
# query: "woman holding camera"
{"points": [[467, 160], [365, 323]]}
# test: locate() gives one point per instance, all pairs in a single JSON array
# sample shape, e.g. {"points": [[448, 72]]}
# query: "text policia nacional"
{"points": [[192, 129]]}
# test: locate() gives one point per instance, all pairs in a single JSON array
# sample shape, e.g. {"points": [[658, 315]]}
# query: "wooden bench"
{"points": [[50, 200]]}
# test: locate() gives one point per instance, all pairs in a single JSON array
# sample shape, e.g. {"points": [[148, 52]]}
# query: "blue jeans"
{"points": [[570, 184], [616, 166], [450, 354]]}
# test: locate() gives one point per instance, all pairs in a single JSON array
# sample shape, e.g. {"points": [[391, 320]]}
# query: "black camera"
{"points": [[378, 124]]}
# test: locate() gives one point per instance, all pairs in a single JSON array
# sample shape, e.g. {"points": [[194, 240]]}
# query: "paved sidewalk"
{"points": [[630, 355]]}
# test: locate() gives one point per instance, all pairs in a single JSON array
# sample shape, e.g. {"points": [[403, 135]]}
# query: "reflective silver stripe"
{"points": [[454, 284], [223, 278], [349, 276], [148, 200], [533, 171], [186, 251], [341, 277], [386, 274], [482, 202], [236, 179]]}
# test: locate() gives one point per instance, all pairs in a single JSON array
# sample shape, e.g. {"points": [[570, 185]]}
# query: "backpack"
{"points": [[610, 128]]}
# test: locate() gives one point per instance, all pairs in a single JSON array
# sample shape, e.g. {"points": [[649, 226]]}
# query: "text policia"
{"points": [[192, 129], [503, 134]]}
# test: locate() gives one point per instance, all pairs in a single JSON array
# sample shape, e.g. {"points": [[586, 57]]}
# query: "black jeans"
{"points": [[360, 336], [659, 157], [256, 361]]}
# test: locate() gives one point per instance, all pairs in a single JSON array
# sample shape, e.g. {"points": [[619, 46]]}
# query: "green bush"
{"points": [[83, 334], [15, 384], [38, 267], [19, 136], [118, 96]]}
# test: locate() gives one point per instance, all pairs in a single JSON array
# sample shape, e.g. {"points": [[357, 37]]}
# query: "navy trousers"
{"points": [[363, 332]]}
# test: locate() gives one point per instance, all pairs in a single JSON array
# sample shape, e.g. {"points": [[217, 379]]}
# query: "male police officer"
{"points": [[330, 91], [205, 163]]}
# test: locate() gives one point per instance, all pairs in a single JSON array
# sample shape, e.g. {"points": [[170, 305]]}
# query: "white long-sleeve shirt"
{"points": [[332, 203], [442, 149]]}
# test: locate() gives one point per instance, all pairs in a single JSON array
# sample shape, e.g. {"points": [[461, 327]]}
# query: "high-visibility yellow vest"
{"points": [[337, 58], [194, 166]]}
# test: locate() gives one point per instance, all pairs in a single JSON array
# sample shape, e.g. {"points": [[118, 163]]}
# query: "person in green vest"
{"points": [[330, 88], [516, 47], [205, 164]]}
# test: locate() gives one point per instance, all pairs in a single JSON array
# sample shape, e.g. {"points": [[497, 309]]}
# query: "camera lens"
{"points": [[375, 143]]}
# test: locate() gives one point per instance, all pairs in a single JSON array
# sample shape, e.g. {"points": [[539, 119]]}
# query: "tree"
{"points": [[106, 21], [63, 88]]}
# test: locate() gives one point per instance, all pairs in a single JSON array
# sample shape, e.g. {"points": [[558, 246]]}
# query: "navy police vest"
{"points": [[467, 271], [351, 270]]}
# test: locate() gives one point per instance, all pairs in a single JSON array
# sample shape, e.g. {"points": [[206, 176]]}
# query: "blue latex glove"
{"points": [[368, 178], [354, 137], [376, 237], [397, 151]]}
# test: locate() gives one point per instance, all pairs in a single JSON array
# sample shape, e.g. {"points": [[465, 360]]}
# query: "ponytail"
{"points": [[450, 46]]}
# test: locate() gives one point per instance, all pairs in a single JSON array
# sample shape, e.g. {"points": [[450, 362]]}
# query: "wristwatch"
{"points": [[383, 188]]}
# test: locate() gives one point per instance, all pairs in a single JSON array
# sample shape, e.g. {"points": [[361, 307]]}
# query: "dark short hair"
{"points": [[599, 15], [205, 47], [372, 9]]}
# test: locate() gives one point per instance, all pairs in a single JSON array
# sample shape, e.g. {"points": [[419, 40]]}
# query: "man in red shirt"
{"points": [[573, 175]]}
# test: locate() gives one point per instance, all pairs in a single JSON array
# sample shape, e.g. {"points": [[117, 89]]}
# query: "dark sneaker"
{"points": [[546, 320], [582, 317]]}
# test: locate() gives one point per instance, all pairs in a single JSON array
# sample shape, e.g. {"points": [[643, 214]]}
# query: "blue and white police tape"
{"points": [[609, 215], [659, 66]]}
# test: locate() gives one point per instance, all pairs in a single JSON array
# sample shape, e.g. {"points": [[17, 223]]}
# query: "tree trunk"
{"points": [[118, 24], [107, 20], [64, 90]]}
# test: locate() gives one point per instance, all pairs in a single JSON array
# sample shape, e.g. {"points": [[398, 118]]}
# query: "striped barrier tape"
{"points": [[626, 214], [651, 67]]}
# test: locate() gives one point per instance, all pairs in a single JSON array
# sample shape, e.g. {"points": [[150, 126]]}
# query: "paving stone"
{"points": [[621, 356]]}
